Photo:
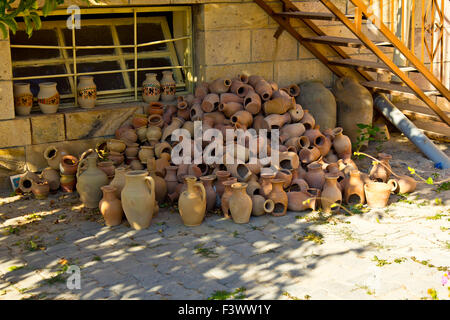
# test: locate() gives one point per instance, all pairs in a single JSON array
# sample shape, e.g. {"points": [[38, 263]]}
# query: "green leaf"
{"points": [[28, 25], [12, 24], [36, 20], [430, 180], [362, 125], [4, 30], [48, 7]]}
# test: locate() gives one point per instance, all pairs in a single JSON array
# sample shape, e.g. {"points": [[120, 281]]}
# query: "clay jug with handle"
{"points": [[192, 202]]}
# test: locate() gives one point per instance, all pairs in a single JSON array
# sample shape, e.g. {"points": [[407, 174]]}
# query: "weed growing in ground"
{"points": [[287, 294], [380, 262], [237, 294], [205, 252], [313, 236]]}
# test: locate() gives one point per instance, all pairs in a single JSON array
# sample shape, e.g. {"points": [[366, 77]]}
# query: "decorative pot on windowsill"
{"points": [[151, 88], [168, 87], [48, 97], [23, 98], [87, 92]]}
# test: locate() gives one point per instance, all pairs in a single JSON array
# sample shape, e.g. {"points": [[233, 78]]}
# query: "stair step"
{"points": [[434, 129], [395, 89], [341, 41], [367, 65], [415, 112], [311, 15]]}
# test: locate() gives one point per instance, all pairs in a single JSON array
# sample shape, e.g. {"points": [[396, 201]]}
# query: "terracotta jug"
{"points": [[155, 108], [196, 112], [110, 206], [171, 179], [406, 184], [286, 176], [87, 92], [68, 165], [253, 186], [53, 178], [153, 134], [230, 97], [53, 156], [160, 183], [341, 143], [308, 120], [222, 176], [377, 193], [315, 176], [279, 198], [333, 169], [331, 196], [162, 163], [309, 154], [239, 88], [354, 186], [155, 120], [175, 124], [132, 150], [242, 119], [138, 199], [240, 203], [201, 90], [276, 121], [230, 108], [261, 206], [119, 180], [252, 102], [116, 157], [161, 148], [296, 113], [225, 200], [145, 153], [211, 102], [381, 171], [266, 183], [192, 202], [210, 193], [151, 88], [221, 85], [90, 181], [301, 200], [291, 130], [23, 98], [264, 89], [289, 160], [298, 184], [48, 97], [168, 87]]}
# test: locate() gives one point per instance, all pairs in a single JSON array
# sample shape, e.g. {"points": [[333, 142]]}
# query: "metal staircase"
{"points": [[428, 117]]}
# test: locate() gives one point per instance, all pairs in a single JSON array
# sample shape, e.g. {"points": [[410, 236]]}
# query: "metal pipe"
{"points": [[401, 122]]}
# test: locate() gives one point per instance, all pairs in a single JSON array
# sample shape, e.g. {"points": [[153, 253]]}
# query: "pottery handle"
{"points": [[393, 183], [82, 160], [202, 188], [151, 184]]}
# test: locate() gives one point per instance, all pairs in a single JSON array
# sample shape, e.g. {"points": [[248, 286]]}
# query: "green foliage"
{"points": [[367, 133], [238, 294], [380, 262]]}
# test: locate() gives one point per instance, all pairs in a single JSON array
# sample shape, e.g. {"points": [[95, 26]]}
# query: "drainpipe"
{"points": [[401, 122]]}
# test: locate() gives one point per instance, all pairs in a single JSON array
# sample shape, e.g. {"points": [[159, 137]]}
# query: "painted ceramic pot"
{"points": [[192, 202], [68, 183], [110, 206], [90, 181], [168, 87], [151, 88], [240, 203], [138, 199], [87, 92], [119, 180], [68, 165], [377, 193], [40, 188], [48, 97], [23, 98], [279, 198]]}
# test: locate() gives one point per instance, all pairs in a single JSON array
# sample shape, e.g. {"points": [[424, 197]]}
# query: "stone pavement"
{"points": [[395, 253]]}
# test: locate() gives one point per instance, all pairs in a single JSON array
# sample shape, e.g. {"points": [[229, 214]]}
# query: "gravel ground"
{"points": [[399, 252]]}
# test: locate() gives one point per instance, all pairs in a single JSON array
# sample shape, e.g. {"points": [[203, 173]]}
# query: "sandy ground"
{"points": [[399, 252]]}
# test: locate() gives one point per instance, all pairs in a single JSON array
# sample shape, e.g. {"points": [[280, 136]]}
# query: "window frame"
{"points": [[183, 12]]}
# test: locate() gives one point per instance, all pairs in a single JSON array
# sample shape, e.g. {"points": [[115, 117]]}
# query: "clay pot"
{"points": [[293, 130], [171, 179], [253, 186], [162, 147], [296, 113], [331, 195], [308, 120], [107, 167], [132, 150], [67, 183], [155, 120], [192, 202], [211, 102], [261, 206], [286, 176], [162, 163], [175, 124], [266, 183], [53, 156], [155, 108], [151, 88], [135, 164], [331, 157], [239, 88], [183, 110], [138, 199], [201, 90], [142, 134], [293, 90], [240, 203], [222, 176], [145, 153], [171, 110], [252, 102], [242, 119], [116, 145], [302, 200], [160, 183], [221, 85], [230, 108], [264, 89], [406, 184], [119, 180], [53, 178], [40, 188], [341, 143], [254, 79], [225, 200], [279, 105], [90, 181], [276, 121], [230, 97], [168, 87], [210, 193], [320, 101], [23, 98], [381, 171], [333, 170], [153, 134], [110, 206], [87, 92], [196, 112], [68, 165], [48, 97], [354, 186], [309, 154], [279, 198], [315, 177], [298, 184], [128, 135], [240, 171], [377, 193], [289, 160]]}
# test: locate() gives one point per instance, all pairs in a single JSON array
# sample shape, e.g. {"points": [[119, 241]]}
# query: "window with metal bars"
{"points": [[117, 46]]}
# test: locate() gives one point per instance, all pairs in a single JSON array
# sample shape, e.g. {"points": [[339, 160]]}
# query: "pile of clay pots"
{"points": [[315, 169]]}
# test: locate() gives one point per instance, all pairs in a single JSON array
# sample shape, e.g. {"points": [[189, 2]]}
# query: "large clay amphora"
{"points": [[90, 182], [192, 202]]}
